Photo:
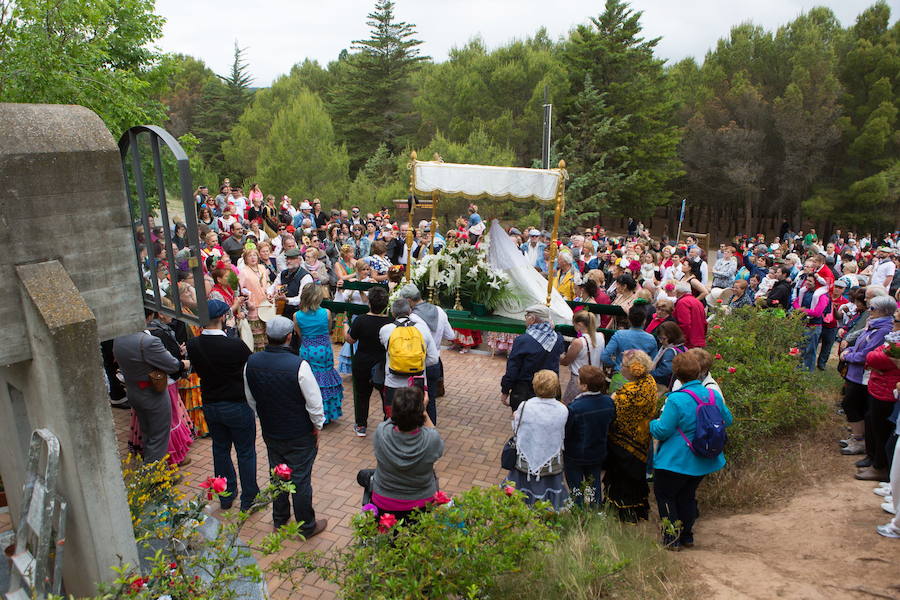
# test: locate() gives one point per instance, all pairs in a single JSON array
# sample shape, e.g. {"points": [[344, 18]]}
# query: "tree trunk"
{"points": [[748, 212]]}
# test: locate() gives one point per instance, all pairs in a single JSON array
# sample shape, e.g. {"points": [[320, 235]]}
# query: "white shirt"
{"points": [[293, 301], [884, 269], [308, 386], [241, 205], [431, 352]]}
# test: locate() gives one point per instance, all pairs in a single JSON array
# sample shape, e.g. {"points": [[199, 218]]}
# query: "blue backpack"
{"points": [[709, 435]]}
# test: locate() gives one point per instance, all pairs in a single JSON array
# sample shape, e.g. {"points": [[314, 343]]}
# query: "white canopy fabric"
{"points": [[529, 284], [477, 181]]}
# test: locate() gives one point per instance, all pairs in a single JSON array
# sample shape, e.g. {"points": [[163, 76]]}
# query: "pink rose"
{"points": [[717, 327], [794, 351], [282, 471], [732, 370], [718, 356], [441, 498], [385, 522], [509, 490]]}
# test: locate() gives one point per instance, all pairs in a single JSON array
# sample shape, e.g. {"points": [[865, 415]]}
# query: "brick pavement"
{"points": [[470, 419]]}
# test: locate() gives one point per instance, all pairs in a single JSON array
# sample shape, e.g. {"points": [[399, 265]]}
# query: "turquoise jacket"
{"points": [[680, 410]]}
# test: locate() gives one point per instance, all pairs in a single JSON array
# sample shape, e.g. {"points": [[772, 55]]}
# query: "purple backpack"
{"points": [[709, 434]]}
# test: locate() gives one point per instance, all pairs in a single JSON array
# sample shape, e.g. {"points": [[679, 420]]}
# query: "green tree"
{"points": [[621, 65], [95, 54], [220, 106], [251, 131], [590, 131], [371, 101], [301, 157], [182, 80], [499, 91]]}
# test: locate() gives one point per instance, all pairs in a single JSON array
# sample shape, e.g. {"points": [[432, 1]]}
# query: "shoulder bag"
{"points": [[159, 380], [509, 456]]}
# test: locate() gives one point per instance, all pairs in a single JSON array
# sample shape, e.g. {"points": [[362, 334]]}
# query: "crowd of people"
{"points": [[268, 353]]}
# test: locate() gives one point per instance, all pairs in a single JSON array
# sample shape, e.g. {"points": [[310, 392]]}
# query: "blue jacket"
{"points": [[680, 411], [627, 339], [663, 371], [589, 417], [280, 405], [527, 357]]}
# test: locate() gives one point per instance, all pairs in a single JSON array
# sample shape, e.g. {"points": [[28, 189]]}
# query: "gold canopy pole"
{"points": [[412, 208], [560, 198], [434, 203]]}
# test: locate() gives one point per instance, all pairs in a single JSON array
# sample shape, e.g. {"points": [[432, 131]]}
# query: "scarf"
{"points": [[542, 427], [543, 334]]}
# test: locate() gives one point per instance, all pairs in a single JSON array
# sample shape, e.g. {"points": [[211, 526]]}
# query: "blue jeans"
{"points": [[298, 453], [233, 423], [829, 335], [577, 474], [811, 345]]}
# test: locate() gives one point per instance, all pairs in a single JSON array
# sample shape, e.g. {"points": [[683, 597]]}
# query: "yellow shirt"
{"points": [[566, 288]]}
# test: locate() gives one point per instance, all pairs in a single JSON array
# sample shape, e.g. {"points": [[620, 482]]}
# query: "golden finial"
{"points": [[562, 164], [413, 155]]}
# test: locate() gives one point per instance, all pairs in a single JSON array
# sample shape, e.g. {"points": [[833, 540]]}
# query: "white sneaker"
{"points": [[888, 507], [882, 491], [888, 531]]}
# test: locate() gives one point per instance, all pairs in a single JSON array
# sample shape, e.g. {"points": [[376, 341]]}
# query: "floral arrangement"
{"points": [[463, 268]]}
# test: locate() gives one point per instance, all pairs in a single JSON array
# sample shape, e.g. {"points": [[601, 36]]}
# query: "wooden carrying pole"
{"points": [[412, 208], [560, 196]]}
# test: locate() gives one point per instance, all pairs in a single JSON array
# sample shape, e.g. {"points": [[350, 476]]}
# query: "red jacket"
{"points": [[884, 375], [691, 317]]}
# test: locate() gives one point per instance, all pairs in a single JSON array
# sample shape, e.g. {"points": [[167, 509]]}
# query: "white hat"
{"points": [[539, 310], [534, 232], [305, 205]]}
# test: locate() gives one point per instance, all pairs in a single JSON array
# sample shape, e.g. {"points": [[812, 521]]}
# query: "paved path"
{"points": [[471, 420]]}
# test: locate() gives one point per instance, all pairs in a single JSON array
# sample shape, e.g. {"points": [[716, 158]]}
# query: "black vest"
{"points": [[280, 405], [292, 289]]}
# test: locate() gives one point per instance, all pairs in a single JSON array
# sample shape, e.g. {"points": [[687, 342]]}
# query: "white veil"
{"points": [[530, 286]]}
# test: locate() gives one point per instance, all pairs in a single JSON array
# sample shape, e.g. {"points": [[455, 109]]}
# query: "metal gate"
{"points": [[160, 273]]}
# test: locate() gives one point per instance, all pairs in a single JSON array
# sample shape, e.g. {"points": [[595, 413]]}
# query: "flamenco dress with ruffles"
{"points": [[315, 348]]}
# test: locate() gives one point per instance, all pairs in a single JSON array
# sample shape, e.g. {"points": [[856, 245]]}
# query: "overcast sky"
{"points": [[280, 33]]}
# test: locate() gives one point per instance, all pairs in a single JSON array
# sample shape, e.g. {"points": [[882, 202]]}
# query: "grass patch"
{"points": [[764, 473], [598, 556]]}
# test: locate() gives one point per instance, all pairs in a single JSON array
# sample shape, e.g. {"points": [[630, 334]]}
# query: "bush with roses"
{"points": [[456, 548], [760, 375]]}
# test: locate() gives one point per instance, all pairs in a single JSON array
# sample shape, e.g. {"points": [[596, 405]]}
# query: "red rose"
{"points": [[794, 351], [214, 484], [282, 471], [732, 370], [509, 490], [718, 356], [719, 301], [775, 302], [441, 498], [138, 583], [717, 327], [385, 522]]}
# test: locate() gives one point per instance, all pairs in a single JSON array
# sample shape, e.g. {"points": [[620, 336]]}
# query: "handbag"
{"points": [[159, 380], [509, 456]]}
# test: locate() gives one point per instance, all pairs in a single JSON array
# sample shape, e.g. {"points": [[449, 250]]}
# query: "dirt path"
{"points": [[821, 543]]}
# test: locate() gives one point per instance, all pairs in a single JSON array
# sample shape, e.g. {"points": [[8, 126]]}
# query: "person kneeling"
{"points": [[406, 447]]}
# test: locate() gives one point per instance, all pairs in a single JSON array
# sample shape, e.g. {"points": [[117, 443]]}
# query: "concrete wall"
{"points": [[70, 279], [63, 198]]}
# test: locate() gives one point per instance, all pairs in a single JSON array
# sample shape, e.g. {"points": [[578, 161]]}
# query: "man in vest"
{"points": [[439, 326], [294, 279], [281, 387], [401, 311]]}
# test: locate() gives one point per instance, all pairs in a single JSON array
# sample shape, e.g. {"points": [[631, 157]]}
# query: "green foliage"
{"points": [[769, 394], [451, 551], [610, 54], [500, 92], [181, 83], [597, 556], [221, 104], [371, 101], [95, 54], [301, 157]]}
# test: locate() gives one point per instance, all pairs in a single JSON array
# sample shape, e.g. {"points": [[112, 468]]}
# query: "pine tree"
{"points": [[372, 101], [636, 94], [221, 105], [300, 156]]}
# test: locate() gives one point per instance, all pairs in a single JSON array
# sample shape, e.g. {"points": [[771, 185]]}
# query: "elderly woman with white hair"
{"points": [[538, 348], [564, 280]]}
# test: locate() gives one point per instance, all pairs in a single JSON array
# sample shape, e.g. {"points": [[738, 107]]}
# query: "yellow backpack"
{"points": [[406, 349]]}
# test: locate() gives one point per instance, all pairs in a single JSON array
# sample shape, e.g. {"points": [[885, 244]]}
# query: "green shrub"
{"points": [[451, 551], [761, 379]]}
